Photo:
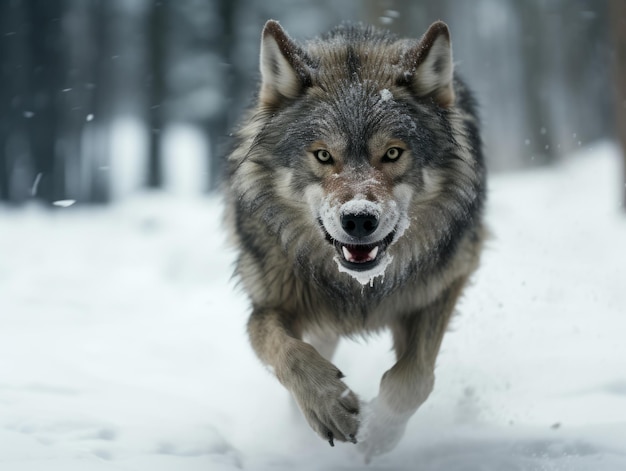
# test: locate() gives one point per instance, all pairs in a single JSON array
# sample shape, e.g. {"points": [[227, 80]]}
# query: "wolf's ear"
{"points": [[430, 65], [284, 72]]}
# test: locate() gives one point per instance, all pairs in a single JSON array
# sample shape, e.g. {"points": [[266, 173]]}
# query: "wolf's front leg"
{"points": [[404, 388], [329, 406]]}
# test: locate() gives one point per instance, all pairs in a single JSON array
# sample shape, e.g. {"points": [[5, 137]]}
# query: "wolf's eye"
{"points": [[392, 154], [323, 156]]}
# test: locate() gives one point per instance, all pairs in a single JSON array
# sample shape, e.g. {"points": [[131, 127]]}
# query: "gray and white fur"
{"points": [[354, 199]]}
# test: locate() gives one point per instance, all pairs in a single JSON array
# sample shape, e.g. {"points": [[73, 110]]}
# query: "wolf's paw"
{"points": [[328, 404], [381, 429], [332, 410]]}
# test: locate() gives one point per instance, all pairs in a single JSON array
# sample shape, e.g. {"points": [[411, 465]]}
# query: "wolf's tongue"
{"points": [[356, 254]]}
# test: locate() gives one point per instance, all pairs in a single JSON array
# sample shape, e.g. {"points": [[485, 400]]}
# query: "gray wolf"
{"points": [[354, 198]]}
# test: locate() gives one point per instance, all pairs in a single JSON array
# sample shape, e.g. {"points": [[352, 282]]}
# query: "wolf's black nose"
{"points": [[359, 225]]}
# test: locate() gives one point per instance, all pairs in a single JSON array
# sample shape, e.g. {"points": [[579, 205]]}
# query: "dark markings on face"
{"points": [[353, 63]]}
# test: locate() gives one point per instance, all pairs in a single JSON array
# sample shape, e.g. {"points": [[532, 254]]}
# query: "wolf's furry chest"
{"points": [[320, 296]]}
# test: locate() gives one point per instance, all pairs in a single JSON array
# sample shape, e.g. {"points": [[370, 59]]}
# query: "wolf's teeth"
{"points": [[346, 253], [350, 257], [373, 253]]}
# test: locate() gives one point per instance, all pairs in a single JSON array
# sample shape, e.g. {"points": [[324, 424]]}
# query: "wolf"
{"points": [[354, 198]]}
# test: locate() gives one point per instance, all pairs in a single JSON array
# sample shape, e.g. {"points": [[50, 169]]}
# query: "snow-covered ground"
{"points": [[123, 346]]}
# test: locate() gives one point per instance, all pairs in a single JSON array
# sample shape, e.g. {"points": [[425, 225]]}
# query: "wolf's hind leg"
{"points": [[329, 406]]}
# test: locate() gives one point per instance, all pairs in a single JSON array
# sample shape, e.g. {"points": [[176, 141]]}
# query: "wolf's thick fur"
{"points": [[355, 196]]}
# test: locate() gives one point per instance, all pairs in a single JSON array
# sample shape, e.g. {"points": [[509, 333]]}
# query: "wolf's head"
{"points": [[363, 129]]}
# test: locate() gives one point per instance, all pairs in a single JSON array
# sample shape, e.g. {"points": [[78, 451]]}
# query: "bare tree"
{"points": [[12, 88], [618, 15], [30, 92], [156, 89]]}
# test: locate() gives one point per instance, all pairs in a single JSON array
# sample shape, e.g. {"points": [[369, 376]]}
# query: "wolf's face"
{"points": [[358, 158], [358, 131], [358, 165]]}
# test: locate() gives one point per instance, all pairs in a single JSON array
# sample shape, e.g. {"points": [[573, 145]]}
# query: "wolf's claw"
{"points": [[352, 438], [330, 439]]}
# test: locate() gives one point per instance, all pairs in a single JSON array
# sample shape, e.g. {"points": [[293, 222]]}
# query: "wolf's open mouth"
{"points": [[360, 257]]}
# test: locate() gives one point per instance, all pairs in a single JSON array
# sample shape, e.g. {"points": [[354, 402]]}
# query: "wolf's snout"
{"points": [[359, 225]]}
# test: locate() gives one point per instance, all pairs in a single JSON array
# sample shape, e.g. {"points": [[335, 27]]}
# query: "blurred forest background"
{"points": [[100, 99]]}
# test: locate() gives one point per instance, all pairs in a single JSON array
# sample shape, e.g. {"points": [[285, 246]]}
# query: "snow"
{"points": [[386, 95], [61, 203], [185, 150], [123, 342], [35, 187], [128, 139], [366, 277]]}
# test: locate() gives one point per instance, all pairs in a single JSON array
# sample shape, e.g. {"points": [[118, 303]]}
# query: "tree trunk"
{"points": [[12, 80], [43, 101], [618, 15], [535, 69], [156, 93], [219, 124]]}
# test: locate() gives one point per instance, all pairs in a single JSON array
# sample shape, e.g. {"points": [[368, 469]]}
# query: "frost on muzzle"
{"points": [[360, 231]]}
